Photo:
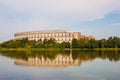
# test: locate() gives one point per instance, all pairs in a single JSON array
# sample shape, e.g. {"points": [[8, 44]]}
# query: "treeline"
{"points": [[25, 43], [111, 42]]}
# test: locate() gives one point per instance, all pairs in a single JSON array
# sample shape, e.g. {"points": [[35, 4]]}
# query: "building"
{"points": [[58, 35]]}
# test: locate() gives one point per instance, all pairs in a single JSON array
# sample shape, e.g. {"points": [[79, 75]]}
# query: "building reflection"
{"points": [[60, 61], [59, 58]]}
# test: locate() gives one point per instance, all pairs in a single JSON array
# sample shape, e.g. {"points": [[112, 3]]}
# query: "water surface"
{"points": [[60, 65]]}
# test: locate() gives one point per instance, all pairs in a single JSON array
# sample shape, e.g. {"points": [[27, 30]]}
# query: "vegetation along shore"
{"points": [[112, 43]]}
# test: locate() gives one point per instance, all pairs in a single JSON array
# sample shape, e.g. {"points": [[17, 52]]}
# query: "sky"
{"points": [[100, 18]]}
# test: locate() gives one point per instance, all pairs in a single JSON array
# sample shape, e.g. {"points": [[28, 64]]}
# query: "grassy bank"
{"points": [[107, 49], [96, 49], [57, 49], [38, 49]]}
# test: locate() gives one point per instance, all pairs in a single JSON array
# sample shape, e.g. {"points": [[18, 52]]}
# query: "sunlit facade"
{"points": [[58, 35]]}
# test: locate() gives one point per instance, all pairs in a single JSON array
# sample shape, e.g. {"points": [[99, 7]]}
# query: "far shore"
{"points": [[57, 49]]}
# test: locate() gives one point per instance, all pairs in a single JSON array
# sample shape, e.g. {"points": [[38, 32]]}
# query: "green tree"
{"points": [[109, 42], [92, 44], [38, 44], [65, 45], [102, 43], [82, 42], [74, 43], [116, 42]]}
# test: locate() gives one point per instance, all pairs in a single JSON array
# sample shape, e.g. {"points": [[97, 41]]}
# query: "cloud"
{"points": [[64, 10], [115, 24], [25, 15]]}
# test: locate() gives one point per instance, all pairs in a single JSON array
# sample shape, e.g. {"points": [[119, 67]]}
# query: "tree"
{"points": [[51, 42], [102, 43], [65, 45], [111, 42], [82, 42], [74, 43], [38, 44], [116, 42], [24, 41], [92, 44]]}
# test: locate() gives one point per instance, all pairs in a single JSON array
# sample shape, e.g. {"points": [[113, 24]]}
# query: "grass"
{"points": [[106, 49], [56, 49], [37, 49], [99, 49]]}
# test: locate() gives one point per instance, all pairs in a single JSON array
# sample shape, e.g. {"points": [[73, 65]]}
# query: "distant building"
{"points": [[58, 35]]}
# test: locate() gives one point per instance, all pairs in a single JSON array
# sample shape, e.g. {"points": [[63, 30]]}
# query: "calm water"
{"points": [[64, 65]]}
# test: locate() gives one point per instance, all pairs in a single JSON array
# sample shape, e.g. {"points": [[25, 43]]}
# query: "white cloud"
{"points": [[115, 24], [66, 10], [52, 14]]}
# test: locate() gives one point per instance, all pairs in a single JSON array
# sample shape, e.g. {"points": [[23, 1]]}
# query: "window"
{"points": [[42, 35], [36, 35], [52, 35], [49, 35], [39, 35], [56, 35]]}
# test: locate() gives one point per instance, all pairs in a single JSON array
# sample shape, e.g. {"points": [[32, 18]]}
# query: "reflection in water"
{"points": [[58, 59], [105, 65]]}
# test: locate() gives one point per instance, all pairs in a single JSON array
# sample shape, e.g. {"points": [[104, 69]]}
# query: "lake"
{"points": [[60, 65]]}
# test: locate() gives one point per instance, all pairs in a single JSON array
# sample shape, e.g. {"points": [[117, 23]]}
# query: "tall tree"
{"points": [[74, 43]]}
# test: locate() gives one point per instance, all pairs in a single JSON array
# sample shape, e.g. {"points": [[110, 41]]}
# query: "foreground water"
{"points": [[60, 65]]}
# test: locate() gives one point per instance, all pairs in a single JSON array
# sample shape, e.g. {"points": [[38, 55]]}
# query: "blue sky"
{"points": [[100, 18]]}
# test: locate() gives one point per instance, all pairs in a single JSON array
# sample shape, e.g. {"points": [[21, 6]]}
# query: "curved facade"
{"points": [[58, 35]]}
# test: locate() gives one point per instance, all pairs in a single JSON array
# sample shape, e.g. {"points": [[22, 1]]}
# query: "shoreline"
{"points": [[57, 49]]}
